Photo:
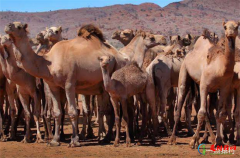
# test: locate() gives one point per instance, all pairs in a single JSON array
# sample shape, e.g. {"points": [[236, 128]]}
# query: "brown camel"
{"points": [[26, 87], [211, 75], [71, 65], [128, 81], [43, 44]]}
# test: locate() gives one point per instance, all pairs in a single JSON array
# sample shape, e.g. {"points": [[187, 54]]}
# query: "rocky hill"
{"points": [[188, 16]]}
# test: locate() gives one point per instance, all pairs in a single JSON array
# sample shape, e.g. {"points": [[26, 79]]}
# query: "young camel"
{"points": [[26, 88], [128, 81], [211, 74], [71, 65]]}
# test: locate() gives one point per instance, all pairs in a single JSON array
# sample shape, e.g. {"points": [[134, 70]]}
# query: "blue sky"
{"points": [[46, 5]]}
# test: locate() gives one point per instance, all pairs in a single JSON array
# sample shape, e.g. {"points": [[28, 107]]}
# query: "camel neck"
{"points": [[230, 49], [139, 52], [106, 79], [29, 61]]}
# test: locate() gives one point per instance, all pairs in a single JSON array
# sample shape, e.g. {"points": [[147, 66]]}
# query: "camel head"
{"points": [[16, 30], [53, 33], [149, 40], [116, 34], [231, 29], [127, 35], [104, 61], [161, 39], [40, 36], [6, 41], [175, 39]]}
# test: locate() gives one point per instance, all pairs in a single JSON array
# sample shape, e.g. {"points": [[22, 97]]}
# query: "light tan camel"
{"points": [[128, 81], [212, 74], [54, 34], [26, 87], [71, 65], [124, 36], [43, 44]]}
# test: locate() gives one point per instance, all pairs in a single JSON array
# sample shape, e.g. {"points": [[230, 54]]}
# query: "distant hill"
{"points": [[176, 18]]}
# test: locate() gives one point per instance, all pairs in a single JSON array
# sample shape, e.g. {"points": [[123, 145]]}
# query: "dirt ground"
{"points": [[91, 148]]}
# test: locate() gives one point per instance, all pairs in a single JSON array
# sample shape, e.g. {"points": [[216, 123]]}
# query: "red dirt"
{"points": [[93, 149]]}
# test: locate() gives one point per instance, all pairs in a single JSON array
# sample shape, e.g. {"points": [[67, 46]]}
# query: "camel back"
{"points": [[89, 30]]}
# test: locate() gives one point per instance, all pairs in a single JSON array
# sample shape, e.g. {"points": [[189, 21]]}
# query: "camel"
{"points": [[124, 36], [26, 88], [164, 70], [211, 76], [48, 38], [43, 44], [71, 65], [121, 86]]}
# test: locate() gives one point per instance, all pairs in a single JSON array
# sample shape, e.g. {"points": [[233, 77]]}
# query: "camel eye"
{"points": [[225, 28], [19, 27], [56, 32]]}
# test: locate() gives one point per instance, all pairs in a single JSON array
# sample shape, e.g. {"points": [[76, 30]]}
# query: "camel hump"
{"points": [[89, 30], [213, 52]]}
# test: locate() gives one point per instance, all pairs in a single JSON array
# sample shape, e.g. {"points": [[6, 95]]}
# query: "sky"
{"points": [[47, 5]]}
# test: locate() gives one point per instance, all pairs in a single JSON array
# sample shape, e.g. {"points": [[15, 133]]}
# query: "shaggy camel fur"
{"points": [[71, 65], [128, 81], [26, 88], [211, 77]]}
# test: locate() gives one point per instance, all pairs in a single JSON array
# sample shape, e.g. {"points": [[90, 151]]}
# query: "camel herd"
{"points": [[147, 79]]}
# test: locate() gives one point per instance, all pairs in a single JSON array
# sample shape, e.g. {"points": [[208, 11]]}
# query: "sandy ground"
{"points": [[91, 148]]}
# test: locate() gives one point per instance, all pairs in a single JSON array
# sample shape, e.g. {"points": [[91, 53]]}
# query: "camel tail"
{"points": [[84, 105]]}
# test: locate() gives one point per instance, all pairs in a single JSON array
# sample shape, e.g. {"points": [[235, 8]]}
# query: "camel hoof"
{"points": [[172, 141], [104, 141], [25, 140], [90, 136], [190, 133], [54, 143], [231, 138], [225, 139], [75, 144], [128, 144], [205, 141], [40, 140], [139, 143], [238, 143], [116, 144]]}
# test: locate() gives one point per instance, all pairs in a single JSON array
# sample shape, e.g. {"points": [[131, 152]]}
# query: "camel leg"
{"points": [[143, 107], [183, 88], [170, 107], [85, 108], [73, 114], [1, 114], [36, 115], [221, 113], [234, 97], [25, 100], [10, 92], [116, 108], [188, 110], [131, 116], [54, 93], [126, 120], [194, 143], [63, 102], [150, 96], [90, 134], [237, 116]]}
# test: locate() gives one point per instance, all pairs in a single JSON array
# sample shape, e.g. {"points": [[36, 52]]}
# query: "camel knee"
{"points": [[72, 112]]}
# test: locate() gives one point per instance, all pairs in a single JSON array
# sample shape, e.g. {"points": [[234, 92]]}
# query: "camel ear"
{"points": [[239, 23], [25, 26], [189, 36], [170, 37], [99, 59], [60, 29], [46, 28], [224, 23], [179, 38], [5, 54]]}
